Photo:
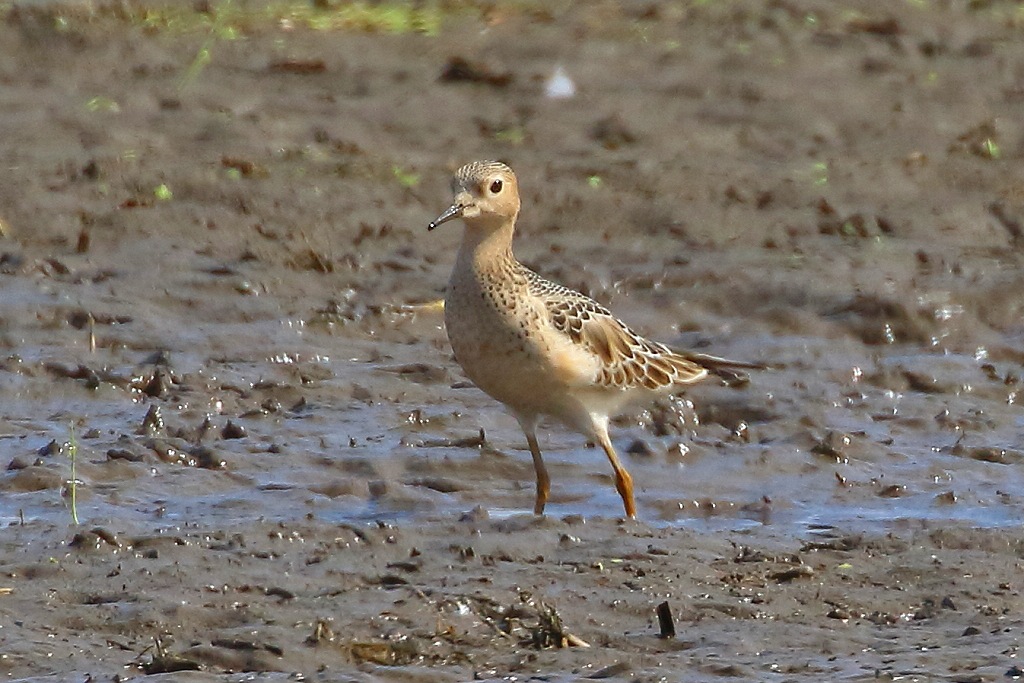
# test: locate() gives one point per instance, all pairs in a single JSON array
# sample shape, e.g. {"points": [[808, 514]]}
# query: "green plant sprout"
{"points": [[407, 179], [820, 173], [101, 103], [73, 483], [991, 148], [218, 30], [513, 136], [227, 22]]}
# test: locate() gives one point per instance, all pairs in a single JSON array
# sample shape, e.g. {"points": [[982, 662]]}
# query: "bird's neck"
{"points": [[485, 248]]}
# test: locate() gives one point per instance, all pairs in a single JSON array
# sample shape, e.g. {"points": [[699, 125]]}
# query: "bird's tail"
{"points": [[731, 371]]}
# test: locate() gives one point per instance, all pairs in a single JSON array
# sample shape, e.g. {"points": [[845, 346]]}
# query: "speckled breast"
{"points": [[494, 336]]}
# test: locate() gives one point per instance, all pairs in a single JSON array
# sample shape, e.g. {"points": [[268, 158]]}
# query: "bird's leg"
{"points": [[623, 481], [543, 481]]}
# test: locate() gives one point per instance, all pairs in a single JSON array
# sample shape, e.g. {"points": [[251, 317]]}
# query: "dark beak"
{"points": [[451, 213]]}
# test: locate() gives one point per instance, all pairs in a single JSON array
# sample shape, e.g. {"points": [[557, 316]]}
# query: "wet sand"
{"points": [[217, 287]]}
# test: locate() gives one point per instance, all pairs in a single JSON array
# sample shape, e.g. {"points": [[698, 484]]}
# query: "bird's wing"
{"points": [[623, 358]]}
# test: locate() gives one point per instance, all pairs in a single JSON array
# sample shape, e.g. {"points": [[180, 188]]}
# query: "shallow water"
{"points": [[865, 457]]}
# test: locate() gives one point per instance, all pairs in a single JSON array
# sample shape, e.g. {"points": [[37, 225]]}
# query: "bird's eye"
{"points": [[496, 186]]}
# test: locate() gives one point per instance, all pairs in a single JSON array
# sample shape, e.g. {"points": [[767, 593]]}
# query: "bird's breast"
{"points": [[500, 339]]}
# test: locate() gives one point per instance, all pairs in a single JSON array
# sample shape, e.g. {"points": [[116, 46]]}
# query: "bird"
{"points": [[540, 348]]}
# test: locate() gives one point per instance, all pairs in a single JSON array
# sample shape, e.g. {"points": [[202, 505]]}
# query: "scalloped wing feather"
{"points": [[625, 359]]}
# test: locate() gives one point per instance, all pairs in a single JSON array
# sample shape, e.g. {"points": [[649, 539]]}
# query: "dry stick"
{"points": [[575, 641], [668, 627]]}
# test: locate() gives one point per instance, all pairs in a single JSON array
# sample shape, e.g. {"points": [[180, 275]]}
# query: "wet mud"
{"points": [[218, 304]]}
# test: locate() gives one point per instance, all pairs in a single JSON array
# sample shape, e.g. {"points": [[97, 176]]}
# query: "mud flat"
{"points": [[216, 289]]}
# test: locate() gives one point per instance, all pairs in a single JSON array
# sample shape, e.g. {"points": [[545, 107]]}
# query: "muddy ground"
{"points": [[216, 287]]}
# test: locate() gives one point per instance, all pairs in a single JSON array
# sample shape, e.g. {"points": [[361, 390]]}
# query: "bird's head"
{"points": [[486, 196]]}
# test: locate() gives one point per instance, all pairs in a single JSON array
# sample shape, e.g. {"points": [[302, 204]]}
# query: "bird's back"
{"points": [[624, 360]]}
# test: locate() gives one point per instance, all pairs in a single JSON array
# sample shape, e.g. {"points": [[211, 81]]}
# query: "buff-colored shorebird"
{"points": [[538, 347]]}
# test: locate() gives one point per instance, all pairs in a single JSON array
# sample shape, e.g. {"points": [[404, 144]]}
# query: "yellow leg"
{"points": [[623, 482], [543, 481]]}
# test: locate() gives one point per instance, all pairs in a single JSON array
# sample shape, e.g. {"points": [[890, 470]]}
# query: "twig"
{"points": [[668, 626]]}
